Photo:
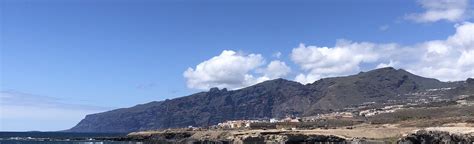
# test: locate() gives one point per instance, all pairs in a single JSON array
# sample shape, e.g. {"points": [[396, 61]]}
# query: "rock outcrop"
{"points": [[436, 137], [225, 137]]}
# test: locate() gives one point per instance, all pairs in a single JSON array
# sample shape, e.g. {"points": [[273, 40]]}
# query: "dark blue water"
{"points": [[64, 142], [59, 138]]}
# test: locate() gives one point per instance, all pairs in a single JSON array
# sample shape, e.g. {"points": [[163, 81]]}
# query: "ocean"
{"points": [[60, 138]]}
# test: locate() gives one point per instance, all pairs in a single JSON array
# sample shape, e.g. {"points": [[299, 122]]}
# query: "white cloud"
{"points": [[307, 78], [437, 10], [390, 64], [448, 60], [342, 59], [276, 69], [233, 70]]}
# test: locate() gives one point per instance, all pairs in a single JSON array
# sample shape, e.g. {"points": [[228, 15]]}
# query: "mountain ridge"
{"points": [[273, 98]]}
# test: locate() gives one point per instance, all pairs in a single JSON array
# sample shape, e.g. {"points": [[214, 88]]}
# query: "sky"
{"points": [[63, 59]]}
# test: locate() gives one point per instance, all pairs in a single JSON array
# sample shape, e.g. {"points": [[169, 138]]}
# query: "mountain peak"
{"points": [[470, 80], [216, 90], [387, 72], [387, 69], [280, 81]]}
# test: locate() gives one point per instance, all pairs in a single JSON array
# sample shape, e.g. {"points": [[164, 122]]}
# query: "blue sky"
{"points": [[77, 57]]}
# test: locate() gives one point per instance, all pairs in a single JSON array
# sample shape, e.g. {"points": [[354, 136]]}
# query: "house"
{"points": [[291, 119], [274, 120], [235, 124]]}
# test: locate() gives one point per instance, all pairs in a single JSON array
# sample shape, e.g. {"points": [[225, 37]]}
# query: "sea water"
{"points": [[59, 138]]}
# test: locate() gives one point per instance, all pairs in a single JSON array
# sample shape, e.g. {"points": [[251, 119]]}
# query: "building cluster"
{"points": [[386, 109], [336, 115], [235, 124], [287, 119], [463, 100], [238, 123]]}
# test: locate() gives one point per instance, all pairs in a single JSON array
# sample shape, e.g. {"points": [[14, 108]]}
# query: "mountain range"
{"points": [[270, 99]]}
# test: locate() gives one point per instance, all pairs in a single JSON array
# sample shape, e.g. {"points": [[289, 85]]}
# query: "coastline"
{"points": [[361, 133]]}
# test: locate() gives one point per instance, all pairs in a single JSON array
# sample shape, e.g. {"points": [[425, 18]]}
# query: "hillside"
{"points": [[274, 98]]}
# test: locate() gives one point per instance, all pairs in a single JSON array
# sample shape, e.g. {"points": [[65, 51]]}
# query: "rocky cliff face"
{"points": [[274, 98]]}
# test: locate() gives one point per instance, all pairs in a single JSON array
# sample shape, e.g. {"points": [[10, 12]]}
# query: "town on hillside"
{"points": [[368, 112]]}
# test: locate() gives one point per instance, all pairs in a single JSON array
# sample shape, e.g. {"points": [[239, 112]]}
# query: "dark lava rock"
{"points": [[435, 137], [293, 139], [313, 139]]}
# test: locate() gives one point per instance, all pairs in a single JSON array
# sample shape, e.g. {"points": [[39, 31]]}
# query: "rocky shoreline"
{"points": [[263, 137], [292, 136]]}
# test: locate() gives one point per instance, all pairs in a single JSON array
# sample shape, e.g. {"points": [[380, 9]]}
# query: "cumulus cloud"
{"points": [[233, 70], [342, 59], [437, 10], [448, 60], [390, 64], [276, 69]]}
